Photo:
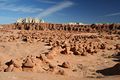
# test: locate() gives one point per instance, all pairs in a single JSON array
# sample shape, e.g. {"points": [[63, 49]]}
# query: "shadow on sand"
{"points": [[115, 70]]}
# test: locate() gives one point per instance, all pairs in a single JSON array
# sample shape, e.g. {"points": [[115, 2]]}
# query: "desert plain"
{"points": [[45, 51]]}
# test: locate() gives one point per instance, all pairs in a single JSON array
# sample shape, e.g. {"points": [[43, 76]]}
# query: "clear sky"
{"points": [[61, 11]]}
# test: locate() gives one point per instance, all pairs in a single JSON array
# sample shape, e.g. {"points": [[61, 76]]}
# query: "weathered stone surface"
{"points": [[80, 28], [28, 62], [10, 68], [61, 72], [51, 54], [65, 65], [117, 46]]}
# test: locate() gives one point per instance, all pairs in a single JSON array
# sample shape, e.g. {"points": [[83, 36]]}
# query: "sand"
{"points": [[56, 55]]}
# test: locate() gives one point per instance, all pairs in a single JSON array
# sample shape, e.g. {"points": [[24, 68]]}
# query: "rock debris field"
{"points": [[68, 52]]}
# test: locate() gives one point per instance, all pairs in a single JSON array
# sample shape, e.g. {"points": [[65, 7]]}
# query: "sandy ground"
{"points": [[44, 76], [81, 67]]}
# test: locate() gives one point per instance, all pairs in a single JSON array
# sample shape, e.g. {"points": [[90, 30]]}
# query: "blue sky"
{"points": [[61, 11]]}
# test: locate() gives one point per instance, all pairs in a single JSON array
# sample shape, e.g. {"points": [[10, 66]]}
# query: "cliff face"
{"points": [[111, 28]]}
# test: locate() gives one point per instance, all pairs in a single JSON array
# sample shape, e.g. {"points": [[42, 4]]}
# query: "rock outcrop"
{"points": [[108, 28]]}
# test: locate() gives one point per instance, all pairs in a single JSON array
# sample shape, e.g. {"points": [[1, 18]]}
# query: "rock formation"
{"points": [[62, 49], [29, 20], [35, 25]]}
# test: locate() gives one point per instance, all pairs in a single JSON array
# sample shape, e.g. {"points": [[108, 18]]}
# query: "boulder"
{"points": [[74, 51], [17, 63], [61, 72], [9, 68], [117, 46], [51, 54], [65, 65], [28, 63]]}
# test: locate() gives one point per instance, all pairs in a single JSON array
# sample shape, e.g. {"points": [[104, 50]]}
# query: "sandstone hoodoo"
{"points": [[61, 50], [59, 40], [93, 28]]}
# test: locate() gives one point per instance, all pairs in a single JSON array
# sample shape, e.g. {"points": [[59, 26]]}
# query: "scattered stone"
{"points": [[61, 72], [28, 63], [65, 65], [117, 46], [10, 68]]}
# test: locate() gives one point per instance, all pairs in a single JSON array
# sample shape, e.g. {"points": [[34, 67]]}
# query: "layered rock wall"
{"points": [[114, 28]]}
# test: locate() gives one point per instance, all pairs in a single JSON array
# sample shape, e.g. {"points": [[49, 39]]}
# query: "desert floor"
{"points": [[39, 58]]}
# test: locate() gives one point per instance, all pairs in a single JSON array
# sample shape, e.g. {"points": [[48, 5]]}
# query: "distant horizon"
{"points": [[61, 11], [70, 22], [67, 22]]}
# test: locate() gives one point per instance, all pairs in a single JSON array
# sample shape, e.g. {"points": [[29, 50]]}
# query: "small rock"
{"points": [[10, 68], [61, 72], [65, 65]]}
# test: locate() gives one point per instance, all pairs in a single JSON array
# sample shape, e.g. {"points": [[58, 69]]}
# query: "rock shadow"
{"points": [[116, 56], [115, 70]]}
